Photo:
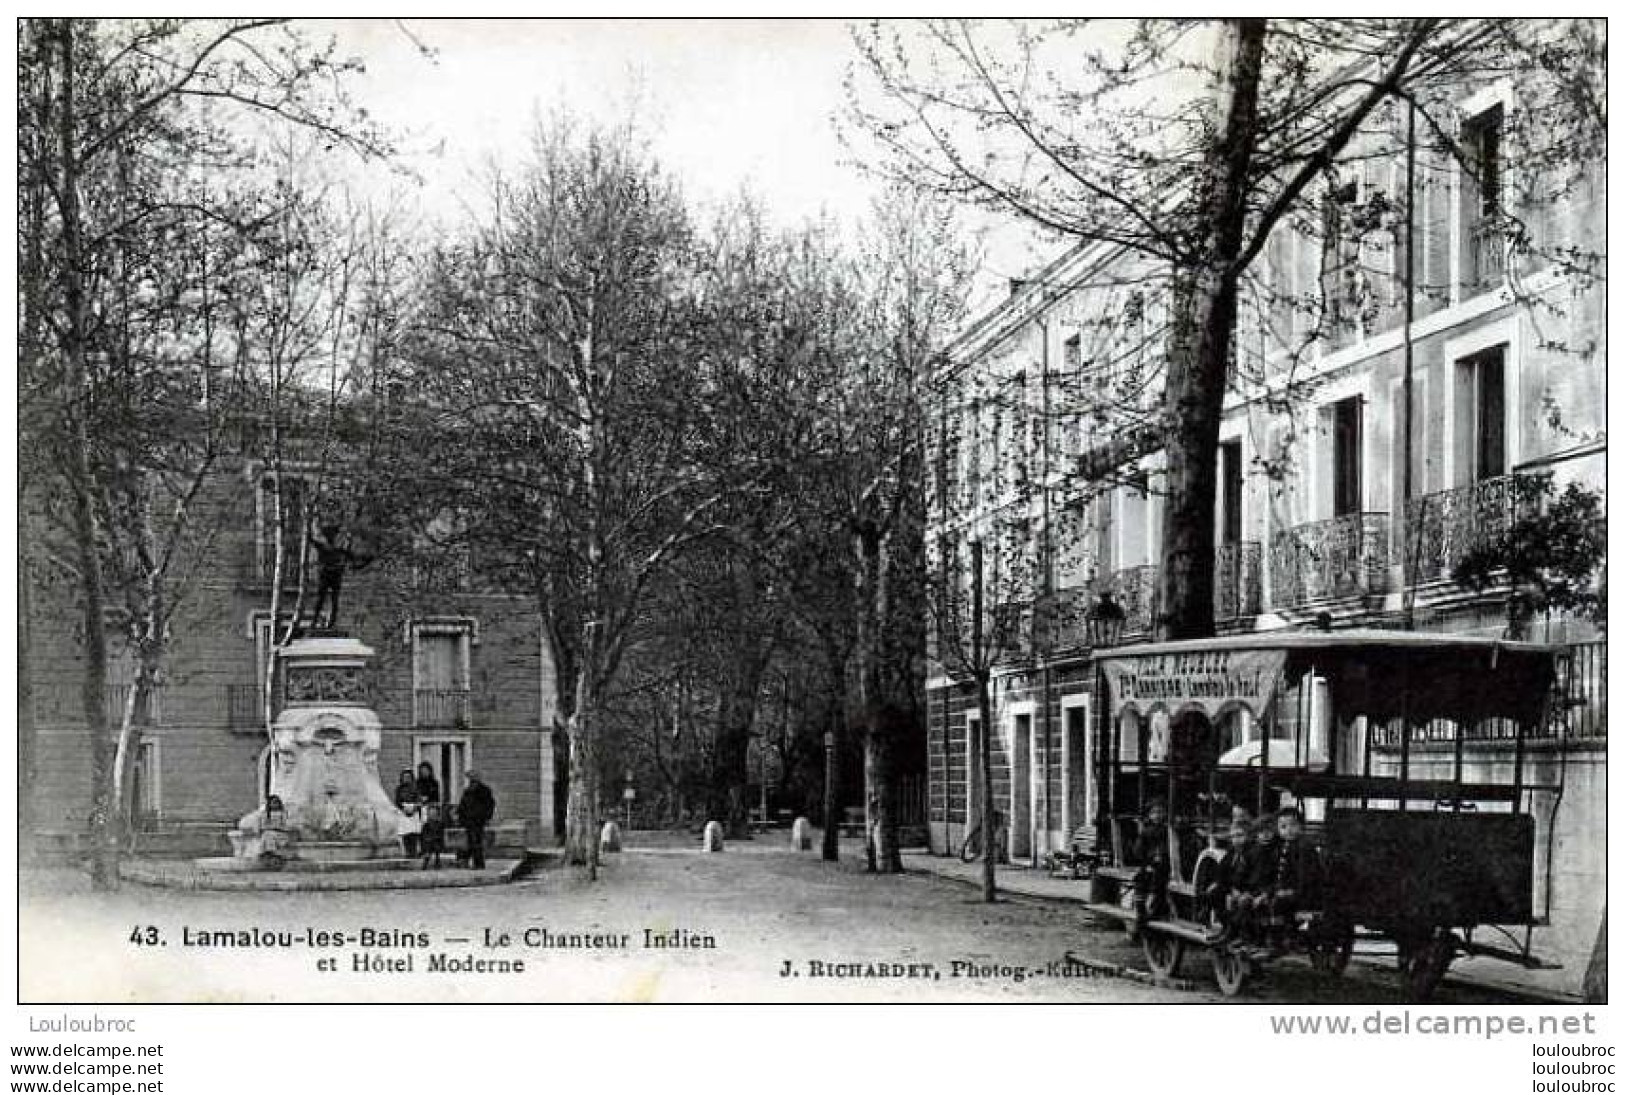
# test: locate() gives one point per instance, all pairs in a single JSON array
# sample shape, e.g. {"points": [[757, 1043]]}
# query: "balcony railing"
{"points": [[1326, 560], [1012, 623], [440, 706], [1135, 590], [1060, 621], [117, 696], [445, 573], [1582, 683], [1583, 676], [1486, 263], [1236, 586], [1441, 528]]}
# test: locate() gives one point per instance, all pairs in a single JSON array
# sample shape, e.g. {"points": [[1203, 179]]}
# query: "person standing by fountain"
{"points": [[409, 804], [475, 810], [428, 786], [406, 790]]}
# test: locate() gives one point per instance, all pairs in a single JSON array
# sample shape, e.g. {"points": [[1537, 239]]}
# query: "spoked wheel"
{"points": [[1231, 969], [1329, 952], [1424, 966], [1162, 952]]}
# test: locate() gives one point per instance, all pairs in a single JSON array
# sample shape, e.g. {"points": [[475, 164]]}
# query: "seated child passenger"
{"points": [[1151, 856], [1221, 892], [1254, 875], [1296, 875]]}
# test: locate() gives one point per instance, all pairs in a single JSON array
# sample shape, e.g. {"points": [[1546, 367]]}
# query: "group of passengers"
{"points": [[1268, 874]]}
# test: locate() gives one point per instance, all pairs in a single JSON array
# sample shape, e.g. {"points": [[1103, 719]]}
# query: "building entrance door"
{"points": [[1022, 816]]}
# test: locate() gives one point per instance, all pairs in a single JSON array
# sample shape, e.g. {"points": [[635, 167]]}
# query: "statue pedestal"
{"points": [[324, 760]]}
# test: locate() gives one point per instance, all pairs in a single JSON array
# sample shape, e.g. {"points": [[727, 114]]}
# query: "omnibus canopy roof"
{"points": [[1379, 674]]}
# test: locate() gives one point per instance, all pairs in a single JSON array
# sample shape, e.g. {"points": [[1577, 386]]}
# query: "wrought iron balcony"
{"points": [[1135, 589], [1236, 585], [440, 707], [117, 696], [1583, 677], [1486, 259], [1060, 621], [1441, 528], [1326, 560], [1012, 630]]}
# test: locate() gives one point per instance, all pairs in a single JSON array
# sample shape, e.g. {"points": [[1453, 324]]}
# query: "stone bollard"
{"points": [[609, 840], [713, 836], [801, 835]]}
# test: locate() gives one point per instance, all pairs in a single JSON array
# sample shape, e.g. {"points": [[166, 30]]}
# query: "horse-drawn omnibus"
{"points": [[1363, 733]]}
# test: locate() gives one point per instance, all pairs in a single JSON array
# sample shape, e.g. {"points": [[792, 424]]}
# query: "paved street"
{"points": [[756, 922]]}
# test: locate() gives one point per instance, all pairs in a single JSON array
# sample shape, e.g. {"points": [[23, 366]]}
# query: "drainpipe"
{"points": [[1406, 557], [1047, 579]]}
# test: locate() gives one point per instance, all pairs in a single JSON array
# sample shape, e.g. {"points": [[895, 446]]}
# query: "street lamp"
{"points": [[1104, 621]]}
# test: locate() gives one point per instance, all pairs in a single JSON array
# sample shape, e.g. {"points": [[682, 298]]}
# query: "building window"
{"points": [[973, 769], [1483, 176], [122, 669], [296, 494], [147, 785], [1483, 379], [1340, 256], [1346, 464], [440, 672], [442, 556], [1230, 480]]}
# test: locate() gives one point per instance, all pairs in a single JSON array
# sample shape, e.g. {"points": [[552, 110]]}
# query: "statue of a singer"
{"points": [[334, 556]]}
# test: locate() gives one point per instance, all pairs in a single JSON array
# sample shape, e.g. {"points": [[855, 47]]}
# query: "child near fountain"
{"points": [[410, 829], [432, 837]]}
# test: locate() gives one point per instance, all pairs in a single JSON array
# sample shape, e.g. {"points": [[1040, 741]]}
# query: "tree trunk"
{"points": [[874, 617], [27, 728], [76, 404], [984, 779], [581, 814], [730, 769], [1199, 358], [561, 780], [883, 852]]}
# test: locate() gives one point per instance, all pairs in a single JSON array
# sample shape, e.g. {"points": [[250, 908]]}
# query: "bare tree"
{"points": [[564, 306], [1188, 145], [126, 297]]}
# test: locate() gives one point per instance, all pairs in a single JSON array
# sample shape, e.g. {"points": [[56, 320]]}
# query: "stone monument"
{"points": [[801, 835], [324, 759], [712, 838]]}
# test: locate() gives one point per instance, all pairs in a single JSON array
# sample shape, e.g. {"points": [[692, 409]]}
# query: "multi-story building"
{"points": [[461, 678], [1423, 271]]}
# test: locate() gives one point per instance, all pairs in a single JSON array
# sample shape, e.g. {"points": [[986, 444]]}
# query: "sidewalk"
{"points": [[1011, 879]]}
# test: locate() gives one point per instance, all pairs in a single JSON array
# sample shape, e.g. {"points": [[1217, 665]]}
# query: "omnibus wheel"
{"points": [[1427, 967], [1230, 969], [1163, 953], [1330, 952]]}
